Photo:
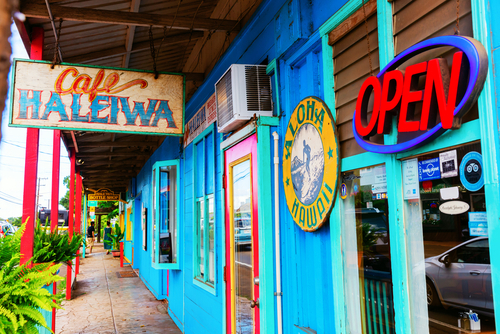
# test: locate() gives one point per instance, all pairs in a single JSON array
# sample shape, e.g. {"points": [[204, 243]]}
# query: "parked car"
{"points": [[7, 228], [243, 231], [461, 277]]}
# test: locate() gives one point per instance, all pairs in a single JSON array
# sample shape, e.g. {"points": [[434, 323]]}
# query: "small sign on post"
{"points": [[104, 195]]}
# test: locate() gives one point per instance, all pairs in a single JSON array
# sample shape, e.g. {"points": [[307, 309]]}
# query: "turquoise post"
{"points": [[84, 232], [266, 259], [490, 146], [399, 259]]}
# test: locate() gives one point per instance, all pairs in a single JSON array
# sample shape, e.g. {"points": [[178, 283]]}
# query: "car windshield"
{"points": [[377, 221]]}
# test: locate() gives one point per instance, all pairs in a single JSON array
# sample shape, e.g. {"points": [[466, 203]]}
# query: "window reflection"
{"points": [[450, 269], [167, 207], [368, 279], [243, 264]]}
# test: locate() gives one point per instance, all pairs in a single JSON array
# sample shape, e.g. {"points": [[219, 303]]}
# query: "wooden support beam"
{"points": [[110, 177], [105, 171], [39, 10], [129, 40], [195, 76], [106, 185], [137, 47], [21, 27], [119, 144], [112, 154]]}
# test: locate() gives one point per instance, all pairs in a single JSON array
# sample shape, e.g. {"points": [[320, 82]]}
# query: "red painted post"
{"points": [[56, 153], [78, 204], [121, 254], [31, 164], [71, 212], [54, 207], [78, 214]]}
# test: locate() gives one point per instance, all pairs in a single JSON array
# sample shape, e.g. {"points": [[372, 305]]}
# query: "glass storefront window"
{"points": [[165, 215], [447, 240], [367, 260], [204, 229]]}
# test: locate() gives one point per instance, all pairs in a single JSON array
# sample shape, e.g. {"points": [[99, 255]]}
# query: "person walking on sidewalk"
{"points": [[107, 233], [90, 236]]}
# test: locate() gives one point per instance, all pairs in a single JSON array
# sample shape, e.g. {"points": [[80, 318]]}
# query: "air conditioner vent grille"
{"points": [[224, 99], [258, 85]]}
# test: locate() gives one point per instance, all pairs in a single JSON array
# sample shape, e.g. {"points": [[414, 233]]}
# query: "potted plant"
{"points": [[23, 294], [54, 247], [116, 237]]}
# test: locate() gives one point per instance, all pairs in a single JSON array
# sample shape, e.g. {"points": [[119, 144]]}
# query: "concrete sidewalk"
{"points": [[104, 303]]}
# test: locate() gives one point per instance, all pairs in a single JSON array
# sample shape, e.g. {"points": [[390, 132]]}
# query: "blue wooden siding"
{"points": [[306, 259]]}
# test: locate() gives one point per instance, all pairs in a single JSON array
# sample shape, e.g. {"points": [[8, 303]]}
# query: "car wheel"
{"points": [[432, 296]]}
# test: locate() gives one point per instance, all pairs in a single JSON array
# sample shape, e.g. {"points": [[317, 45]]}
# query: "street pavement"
{"points": [[103, 303]]}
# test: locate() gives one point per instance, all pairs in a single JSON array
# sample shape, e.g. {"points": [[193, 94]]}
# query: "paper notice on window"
{"points": [[449, 166], [410, 179], [478, 224], [379, 174], [366, 175]]}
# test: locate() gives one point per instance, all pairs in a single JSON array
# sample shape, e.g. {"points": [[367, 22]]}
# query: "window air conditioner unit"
{"points": [[244, 90]]}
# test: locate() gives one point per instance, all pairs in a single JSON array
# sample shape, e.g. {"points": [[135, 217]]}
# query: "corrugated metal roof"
{"points": [[106, 44]]}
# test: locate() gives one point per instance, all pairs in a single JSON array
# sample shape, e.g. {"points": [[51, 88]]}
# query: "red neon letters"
{"points": [[399, 90]]}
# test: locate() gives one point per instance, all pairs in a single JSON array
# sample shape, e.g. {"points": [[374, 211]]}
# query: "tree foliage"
{"points": [[16, 221], [65, 199], [109, 204]]}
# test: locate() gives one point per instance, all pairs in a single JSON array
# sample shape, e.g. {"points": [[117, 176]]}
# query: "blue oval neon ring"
{"points": [[478, 62]]}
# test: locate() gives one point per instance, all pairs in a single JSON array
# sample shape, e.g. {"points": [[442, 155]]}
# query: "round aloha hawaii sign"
{"points": [[311, 163]]}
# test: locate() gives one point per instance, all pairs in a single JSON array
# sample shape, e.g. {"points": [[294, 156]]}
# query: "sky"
{"points": [[12, 155]]}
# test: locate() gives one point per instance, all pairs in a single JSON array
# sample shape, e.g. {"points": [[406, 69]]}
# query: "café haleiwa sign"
{"points": [[311, 164], [444, 95], [103, 194], [89, 98]]}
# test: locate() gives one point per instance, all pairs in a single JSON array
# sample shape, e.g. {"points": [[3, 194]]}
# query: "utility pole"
{"points": [[38, 196]]}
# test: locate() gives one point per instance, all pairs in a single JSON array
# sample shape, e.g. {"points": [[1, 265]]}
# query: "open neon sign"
{"points": [[447, 94]]}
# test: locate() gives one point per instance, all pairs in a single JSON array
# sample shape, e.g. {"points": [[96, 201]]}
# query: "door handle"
{"points": [[254, 303], [475, 272]]}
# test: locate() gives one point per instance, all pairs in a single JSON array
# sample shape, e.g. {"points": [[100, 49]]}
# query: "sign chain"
{"points": [[156, 53], [368, 40], [57, 59], [457, 29], [191, 30]]}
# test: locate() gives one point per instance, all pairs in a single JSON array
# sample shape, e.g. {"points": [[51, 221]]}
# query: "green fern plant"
{"points": [[115, 238], [54, 247], [22, 291]]}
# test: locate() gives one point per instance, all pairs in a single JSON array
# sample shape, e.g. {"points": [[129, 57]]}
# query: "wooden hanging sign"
{"points": [[90, 98], [311, 164], [103, 194]]}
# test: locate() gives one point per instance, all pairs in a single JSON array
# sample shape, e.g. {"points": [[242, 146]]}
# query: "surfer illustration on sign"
{"points": [[306, 156], [307, 164]]}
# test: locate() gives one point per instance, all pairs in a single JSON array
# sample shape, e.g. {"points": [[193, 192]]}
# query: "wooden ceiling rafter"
{"points": [[126, 144], [134, 48], [90, 174], [112, 154], [39, 10]]}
